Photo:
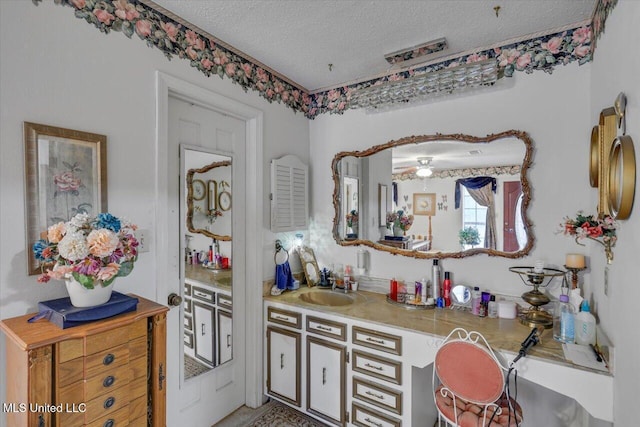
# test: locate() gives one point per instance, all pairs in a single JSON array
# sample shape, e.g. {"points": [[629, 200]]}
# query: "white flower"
{"points": [[79, 221], [73, 247]]}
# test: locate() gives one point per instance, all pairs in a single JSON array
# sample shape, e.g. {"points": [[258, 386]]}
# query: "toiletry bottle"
{"points": [[446, 289], [347, 276], [475, 301], [563, 321], [425, 291], [393, 289], [585, 325], [435, 279], [484, 304], [492, 310], [211, 253], [417, 296]]}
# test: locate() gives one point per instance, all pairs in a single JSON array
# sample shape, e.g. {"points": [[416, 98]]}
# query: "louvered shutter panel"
{"points": [[289, 195]]}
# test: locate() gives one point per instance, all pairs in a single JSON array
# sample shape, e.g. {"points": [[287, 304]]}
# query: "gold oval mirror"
{"points": [[622, 177]]}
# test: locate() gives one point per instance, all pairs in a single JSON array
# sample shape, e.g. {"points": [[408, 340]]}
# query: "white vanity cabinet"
{"points": [[208, 323], [354, 374]]}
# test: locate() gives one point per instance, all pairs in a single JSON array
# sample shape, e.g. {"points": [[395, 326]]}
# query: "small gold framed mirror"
{"points": [[622, 177]]}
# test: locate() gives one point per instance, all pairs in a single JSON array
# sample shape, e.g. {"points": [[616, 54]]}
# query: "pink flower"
{"points": [[103, 16], [67, 182], [199, 44], [143, 28], [581, 35], [342, 105], [553, 45], [476, 57], [508, 56], [296, 95], [285, 96], [269, 92], [263, 76], [206, 63], [102, 242], [230, 69], [108, 271], [191, 37], [523, 61], [246, 67], [56, 232], [219, 57], [79, 4], [278, 87], [582, 51], [333, 95], [125, 10], [170, 29], [88, 266], [191, 53]]}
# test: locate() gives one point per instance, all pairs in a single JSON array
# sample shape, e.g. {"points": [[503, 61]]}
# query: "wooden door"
{"points": [[512, 192]]}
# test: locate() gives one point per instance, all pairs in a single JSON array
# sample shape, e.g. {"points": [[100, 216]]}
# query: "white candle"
{"points": [[575, 261]]}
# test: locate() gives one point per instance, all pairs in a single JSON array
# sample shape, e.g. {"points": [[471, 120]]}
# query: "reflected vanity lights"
{"points": [[428, 85]]}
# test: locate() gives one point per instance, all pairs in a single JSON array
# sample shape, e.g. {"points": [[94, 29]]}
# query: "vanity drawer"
{"points": [[377, 340], [378, 367], [108, 381], [366, 417], [203, 294], [225, 301], [188, 339], [284, 317], [107, 404], [116, 419], [106, 360], [383, 397], [327, 328]]}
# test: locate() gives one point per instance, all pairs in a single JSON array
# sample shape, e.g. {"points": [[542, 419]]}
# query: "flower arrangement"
{"points": [[352, 218], [598, 229], [211, 214], [469, 236], [91, 250], [399, 219]]}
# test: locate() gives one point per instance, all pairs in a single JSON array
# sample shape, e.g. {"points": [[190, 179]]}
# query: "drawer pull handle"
{"points": [[370, 421], [108, 359], [324, 328], [109, 423], [203, 328], [108, 382], [324, 376], [377, 368], [373, 340], [281, 361], [377, 396], [41, 421], [228, 340], [109, 402], [286, 319]]}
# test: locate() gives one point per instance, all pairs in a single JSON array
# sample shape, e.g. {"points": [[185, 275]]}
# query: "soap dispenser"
{"points": [[585, 325]]}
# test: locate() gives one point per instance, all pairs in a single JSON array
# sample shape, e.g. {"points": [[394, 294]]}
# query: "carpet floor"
{"points": [[193, 368], [271, 414]]}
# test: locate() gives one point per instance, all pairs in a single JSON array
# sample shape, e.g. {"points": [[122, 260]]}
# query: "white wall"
{"points": [[56, 69], [553, 109], [615, 69]]}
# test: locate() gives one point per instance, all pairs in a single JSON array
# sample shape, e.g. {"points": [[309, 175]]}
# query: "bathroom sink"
{"points": [[326, 298]]}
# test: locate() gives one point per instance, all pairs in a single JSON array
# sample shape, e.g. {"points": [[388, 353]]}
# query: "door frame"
{"points": [[167, 260]]}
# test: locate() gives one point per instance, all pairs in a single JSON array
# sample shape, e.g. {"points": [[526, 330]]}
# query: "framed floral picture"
{"points": [[66, 174], [424, 204]]}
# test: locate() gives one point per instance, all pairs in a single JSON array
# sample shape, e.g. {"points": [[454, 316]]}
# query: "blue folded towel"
{"points": [[284, 278]]}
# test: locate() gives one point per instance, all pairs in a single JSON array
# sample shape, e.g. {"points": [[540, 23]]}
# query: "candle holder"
{"points": [[574, 275], [536, 278]]}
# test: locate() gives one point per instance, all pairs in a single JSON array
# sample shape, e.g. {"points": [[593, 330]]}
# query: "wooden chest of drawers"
{"points": [[108, 373]]}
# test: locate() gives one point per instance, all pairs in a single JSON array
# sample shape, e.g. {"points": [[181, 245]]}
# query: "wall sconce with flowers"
{"points": [[599, 229]]}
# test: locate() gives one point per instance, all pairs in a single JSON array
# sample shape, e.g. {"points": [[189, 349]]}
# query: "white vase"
{"points": [[398, 231], [83, 297]]}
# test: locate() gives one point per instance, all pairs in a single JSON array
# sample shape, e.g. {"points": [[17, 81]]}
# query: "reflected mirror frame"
{"points": [[526, 193], [190, 199]]}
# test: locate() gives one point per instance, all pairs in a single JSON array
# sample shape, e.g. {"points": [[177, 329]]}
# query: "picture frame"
{"points": [[382, 205], [65, 174], [309, 265], [424, 204]]}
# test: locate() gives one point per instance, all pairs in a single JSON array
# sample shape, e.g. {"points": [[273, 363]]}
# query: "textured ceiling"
{"points": [[299, 38]]}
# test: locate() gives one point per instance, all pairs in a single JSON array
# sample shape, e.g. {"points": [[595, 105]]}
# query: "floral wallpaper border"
{"points": [[209, 57], [463, 173]]}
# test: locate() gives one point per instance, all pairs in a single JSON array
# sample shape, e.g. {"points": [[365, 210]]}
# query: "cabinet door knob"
{"points": [[108, 359], [109, 402], [108, 423], [108, 382], [174, 300]]}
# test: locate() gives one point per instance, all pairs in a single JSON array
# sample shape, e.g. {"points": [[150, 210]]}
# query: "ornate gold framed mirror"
{"points": [[622, 177], [201, 217], [454, 160]]}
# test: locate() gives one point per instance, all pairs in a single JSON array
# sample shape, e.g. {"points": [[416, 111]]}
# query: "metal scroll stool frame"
{"points": [[534, 316]]}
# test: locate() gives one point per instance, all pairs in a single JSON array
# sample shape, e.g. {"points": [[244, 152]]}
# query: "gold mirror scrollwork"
{"points": [[208, 188]]}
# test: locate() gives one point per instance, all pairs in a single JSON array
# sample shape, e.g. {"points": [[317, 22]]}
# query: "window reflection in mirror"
{"points": [[207, 191], [439, 229]]}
